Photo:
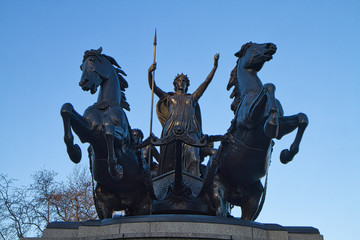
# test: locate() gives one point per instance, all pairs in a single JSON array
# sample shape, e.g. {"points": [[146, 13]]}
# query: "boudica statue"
{"points": [[120, 159], [180, 110]]}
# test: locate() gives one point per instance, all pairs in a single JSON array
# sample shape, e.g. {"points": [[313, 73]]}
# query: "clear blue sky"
{"points": [[316, 70]]}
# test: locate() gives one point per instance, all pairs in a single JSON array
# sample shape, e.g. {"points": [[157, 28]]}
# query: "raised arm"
{"points": [[160, 93], [201, 89]]}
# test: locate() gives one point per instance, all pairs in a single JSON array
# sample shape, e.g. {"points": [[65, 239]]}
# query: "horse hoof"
{"points": [[116, 172], [285, 156], [74, 153]]}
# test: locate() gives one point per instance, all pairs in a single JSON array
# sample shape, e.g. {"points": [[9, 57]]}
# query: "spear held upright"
{"points": [[152, 85], [152, 97], [151, 111]]}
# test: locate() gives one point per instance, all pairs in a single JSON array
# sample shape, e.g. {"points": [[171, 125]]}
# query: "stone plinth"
{"points": [[175, 227]]}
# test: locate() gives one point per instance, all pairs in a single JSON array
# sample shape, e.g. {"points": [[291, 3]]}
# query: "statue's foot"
{"points": [[116, 172], [285, 156], [74, 153], [288, 155], [271, 127]]}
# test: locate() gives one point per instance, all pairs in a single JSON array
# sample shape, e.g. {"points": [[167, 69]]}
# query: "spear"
{"points": [[152, 91], [151, 111]]}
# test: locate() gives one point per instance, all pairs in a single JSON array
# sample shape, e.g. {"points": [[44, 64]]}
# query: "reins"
{"points": [[238, 142]]}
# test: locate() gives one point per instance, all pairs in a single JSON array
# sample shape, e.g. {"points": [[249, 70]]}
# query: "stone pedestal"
{"points": [[175, 227]]}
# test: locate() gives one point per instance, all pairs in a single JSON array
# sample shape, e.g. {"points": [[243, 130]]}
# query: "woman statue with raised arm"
{"points": [[180, 110]]}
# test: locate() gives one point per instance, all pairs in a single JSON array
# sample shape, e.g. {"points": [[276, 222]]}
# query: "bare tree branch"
{"points": [[31, 208]]}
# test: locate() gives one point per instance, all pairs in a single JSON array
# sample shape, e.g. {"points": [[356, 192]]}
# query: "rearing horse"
{"points": [[243, 156], [117, 166]]}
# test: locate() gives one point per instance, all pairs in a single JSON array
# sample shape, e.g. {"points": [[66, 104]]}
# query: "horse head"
{"points": [[97, 68], [254, 55], [94, 72]]}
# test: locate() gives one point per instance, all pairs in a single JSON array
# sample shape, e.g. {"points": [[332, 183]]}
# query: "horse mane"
{"points": [[236, 91], [119, 73], [123, 83], [233, 82]]}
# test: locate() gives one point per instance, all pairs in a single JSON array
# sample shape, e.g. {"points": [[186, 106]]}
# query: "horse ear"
{"points": [[99, 50], [243, 49]]}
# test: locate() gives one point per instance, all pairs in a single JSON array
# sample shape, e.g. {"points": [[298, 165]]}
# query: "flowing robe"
{"points": [[179, 110]]}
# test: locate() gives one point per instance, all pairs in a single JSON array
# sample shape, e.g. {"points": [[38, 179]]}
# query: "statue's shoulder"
{"points": [[162, 108]]}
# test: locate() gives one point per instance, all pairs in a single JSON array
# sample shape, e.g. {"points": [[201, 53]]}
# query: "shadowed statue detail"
{"points": [[243, 156], [118, 156], [117, 166]]}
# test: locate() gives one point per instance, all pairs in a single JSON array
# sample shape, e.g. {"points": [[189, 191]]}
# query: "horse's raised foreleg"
{"points": [[271, 126], [287, 125], [67, 112], [115, 170]]}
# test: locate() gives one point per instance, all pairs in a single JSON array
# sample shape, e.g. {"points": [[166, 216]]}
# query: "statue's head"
{"points": [[181, 83], [97, 68], [254, 55], [93, 71], [137, 135]]}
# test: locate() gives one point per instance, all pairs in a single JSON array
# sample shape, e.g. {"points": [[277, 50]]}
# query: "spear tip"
{"points": [[155, 41]]}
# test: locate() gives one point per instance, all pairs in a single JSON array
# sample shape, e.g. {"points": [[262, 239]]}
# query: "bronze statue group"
{"points": [[121, 162]]}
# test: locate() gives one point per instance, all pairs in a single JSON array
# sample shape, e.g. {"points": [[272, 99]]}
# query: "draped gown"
{"points": [[181, 110]]}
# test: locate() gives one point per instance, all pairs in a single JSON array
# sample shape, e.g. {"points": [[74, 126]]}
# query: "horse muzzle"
{"points": [[86, 86], [270, 49]]}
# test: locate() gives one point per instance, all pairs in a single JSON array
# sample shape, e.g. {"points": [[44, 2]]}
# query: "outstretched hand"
{"points": [[152, 67], [216, 59]]}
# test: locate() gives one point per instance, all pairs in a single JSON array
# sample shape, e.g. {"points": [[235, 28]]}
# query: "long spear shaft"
{"points": [[151, 111], [152, 91]]}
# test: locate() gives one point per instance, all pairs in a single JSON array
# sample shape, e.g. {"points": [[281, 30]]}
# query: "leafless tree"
{"points": [[42, 192], [29, 209], [15, 214], [74, 201]]}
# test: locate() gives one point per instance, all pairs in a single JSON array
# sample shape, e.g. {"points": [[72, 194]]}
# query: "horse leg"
{"points": [[219, 197], [287, 125], [71, 119], [271, 126], [115, 170], [251, 198], [102, 209]]}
